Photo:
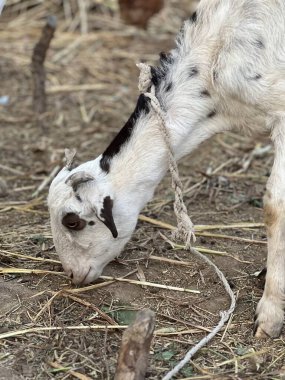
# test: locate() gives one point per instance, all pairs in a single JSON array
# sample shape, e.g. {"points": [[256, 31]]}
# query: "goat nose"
{"points": [[69, 274], [79, 277]]}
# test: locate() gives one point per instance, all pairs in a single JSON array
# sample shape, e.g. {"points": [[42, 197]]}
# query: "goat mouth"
{"points": [[84, 279]]}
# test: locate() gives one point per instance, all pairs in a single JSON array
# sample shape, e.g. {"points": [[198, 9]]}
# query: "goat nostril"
{"points": [[70, 274]]}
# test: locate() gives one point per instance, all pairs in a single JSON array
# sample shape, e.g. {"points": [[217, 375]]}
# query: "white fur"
{"points": [[238, 48]]}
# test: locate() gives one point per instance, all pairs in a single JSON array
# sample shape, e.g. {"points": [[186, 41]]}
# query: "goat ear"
{"points": [[106, 215], [69, 158], [77, 179]]}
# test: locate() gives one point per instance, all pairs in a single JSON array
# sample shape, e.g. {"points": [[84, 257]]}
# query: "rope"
{"points": [[225, 315], [185, 228]]}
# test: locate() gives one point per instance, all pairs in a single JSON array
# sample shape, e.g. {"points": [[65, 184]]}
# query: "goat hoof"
{"points": [[269, 319], [260, 334]]}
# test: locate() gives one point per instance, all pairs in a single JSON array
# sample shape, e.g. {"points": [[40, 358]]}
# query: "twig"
{"points": [[11, 170], [12, 334], [170, 261], [46, 181], [83, 16], [109, 279], [152, 284], [204, 250], [38, 70], [29, 271], [27, 257], [236, 238], [91, 306], [246, 356], [164, 331], [47, 305], [202, 227], [76, 88], [76, 374]]}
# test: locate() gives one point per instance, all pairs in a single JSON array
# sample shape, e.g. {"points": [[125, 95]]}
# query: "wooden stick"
{"points": [[133, 356], [46, 181], [38, 70]]}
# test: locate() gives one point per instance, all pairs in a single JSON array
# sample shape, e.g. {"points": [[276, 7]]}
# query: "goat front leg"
{"points": [[270, 310]]}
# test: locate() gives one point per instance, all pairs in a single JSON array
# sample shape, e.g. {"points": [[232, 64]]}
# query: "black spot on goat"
{"points": [[156, 75], [193, 71], [124, 134], [165, 59], [168, 87], [215, 75], [193, 18], [205, 93], [259, 44], [212, 114], [106, 216]]}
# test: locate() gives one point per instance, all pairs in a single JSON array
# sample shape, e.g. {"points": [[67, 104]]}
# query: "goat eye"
{"points": [[73, 222]]}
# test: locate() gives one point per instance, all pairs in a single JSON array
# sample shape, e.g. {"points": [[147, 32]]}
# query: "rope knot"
{"points": [[185, 229]]}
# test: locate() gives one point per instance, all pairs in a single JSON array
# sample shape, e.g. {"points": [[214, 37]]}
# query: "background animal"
{"points": [[139, 12]]}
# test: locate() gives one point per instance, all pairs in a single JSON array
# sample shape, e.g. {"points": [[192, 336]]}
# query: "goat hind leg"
{"points": [[270, 309]]}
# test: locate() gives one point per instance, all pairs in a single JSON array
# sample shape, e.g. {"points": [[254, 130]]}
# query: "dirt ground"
{"points": [[92, 88]]}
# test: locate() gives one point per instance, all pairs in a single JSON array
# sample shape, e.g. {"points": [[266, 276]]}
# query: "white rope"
{"points": [[225, 315], [185, 229]]}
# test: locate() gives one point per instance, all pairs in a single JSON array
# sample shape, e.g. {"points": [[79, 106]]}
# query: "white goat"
{"points": [[227, 71]]}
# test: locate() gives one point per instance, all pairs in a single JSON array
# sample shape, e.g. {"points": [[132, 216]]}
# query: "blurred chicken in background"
{"points": [[138, 12]]}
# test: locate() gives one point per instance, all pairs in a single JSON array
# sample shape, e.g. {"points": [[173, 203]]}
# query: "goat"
{"points": [[227, 71]]}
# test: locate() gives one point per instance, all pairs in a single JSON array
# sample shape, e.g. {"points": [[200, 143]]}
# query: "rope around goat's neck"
{"points": [[185, 229]]}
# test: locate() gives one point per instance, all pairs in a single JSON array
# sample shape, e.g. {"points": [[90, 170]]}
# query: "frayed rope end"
{"points": [[145, 77]]}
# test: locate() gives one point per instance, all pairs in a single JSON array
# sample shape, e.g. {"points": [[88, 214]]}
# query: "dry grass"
{"points": [[51, 330]]}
